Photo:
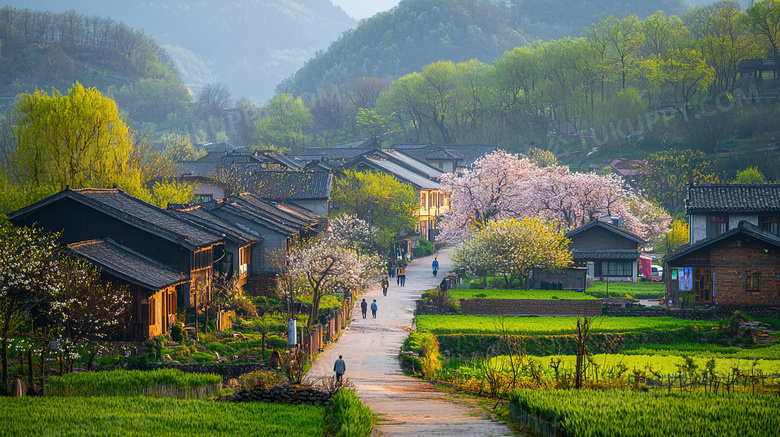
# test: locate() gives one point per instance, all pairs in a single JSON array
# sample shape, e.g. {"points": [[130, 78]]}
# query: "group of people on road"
{"points": [[364, 308]]}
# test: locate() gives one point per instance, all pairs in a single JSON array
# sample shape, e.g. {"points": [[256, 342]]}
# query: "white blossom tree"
{"points": [[325, 265], [355, 231], [27, 271]]}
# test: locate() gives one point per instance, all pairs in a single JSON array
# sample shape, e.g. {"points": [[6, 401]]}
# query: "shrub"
{"points": [[425, 248], [260, 379], [177, 333], [348, 416]]}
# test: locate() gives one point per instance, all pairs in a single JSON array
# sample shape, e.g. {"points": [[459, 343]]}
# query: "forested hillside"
{"points": [[249, 45], [43, 50], [418, 32]]}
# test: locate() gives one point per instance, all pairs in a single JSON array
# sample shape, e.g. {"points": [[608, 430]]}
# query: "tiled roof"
{"points": [[417, 166], [273, 216], [293, 185], [343, 153], [147, 216], [467, 153], [735, 198], [743, 227], [201, 217], [605, 254], [403, 174], [127, 265], [610, 227]]}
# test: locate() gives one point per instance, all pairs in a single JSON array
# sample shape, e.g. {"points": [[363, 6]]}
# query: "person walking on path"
{"points": [[435, 266], [384, 283], [373, 308], [364, 307], [339, 367], [402, 275]]}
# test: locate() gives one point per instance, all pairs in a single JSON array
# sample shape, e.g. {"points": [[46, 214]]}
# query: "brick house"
{"points": [[733, 255], [738, 267]]}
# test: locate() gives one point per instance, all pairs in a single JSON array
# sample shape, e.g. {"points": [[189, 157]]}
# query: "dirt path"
{"points": [[406, 406]]}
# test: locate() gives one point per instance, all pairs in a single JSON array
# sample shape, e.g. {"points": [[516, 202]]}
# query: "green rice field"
{"points": [[462, 293]]}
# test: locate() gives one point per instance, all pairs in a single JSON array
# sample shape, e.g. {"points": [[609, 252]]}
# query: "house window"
{"points": [[719, 224], [769, 223], [244, 260], [172, 302], [152, 311], [752, 280], [423, 200], [441, 166], [617, 268]]}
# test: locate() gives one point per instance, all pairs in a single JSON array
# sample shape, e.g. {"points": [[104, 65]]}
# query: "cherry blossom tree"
{"points": [[503, 185], [512, 248], [325, 265], [26, 275], [355, 231]]}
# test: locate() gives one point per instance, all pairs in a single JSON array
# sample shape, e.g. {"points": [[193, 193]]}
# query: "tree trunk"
{"points": [[29, 367], [5, 365]]}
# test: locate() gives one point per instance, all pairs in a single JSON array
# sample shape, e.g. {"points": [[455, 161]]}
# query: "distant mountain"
{"points": [[418, 32], [406, 38], [360, 9], [250, 45]]}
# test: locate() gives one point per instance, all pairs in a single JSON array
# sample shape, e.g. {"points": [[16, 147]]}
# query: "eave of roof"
{"points": [[742, 228], [127, 265], [733, 198], [607, 226]]}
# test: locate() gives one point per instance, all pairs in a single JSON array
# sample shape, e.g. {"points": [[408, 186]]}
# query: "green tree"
{"points": [[665, 175], [286, 125], [763, 18], [179, 148], [750, 175], [387, 205], [677, 235], [512, 248], [685, 71], [77, 139]]}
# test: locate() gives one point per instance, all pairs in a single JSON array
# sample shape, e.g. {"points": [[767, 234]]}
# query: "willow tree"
{"points": [[77, 139]]}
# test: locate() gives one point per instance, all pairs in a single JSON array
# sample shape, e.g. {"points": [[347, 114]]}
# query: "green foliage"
{"points": [[260, 379], [166, 382], [750, 175], [387, 205], [549, 325], [641, 290], [286, 126], [177, 332], [348, 416], [629, 413], [424, 249], [140, 416]]}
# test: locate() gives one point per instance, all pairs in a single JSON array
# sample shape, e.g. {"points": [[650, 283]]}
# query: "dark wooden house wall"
{"points": [[78, 222]]}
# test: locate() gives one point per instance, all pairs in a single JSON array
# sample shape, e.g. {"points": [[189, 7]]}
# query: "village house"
{"points": [[609, 251], [733, 257], [96, 223]]}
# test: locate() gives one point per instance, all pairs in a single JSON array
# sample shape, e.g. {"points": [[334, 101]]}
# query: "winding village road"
{"points": [[406, 406]]}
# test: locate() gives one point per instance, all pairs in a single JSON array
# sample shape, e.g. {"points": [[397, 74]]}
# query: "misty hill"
{"points": [[418, 32], [250, 45], [406, 38], [43, 50]]}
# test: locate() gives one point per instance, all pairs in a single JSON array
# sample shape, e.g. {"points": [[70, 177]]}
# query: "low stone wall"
{"points": [[281, 394], [530, 307], [712, 313], [227, 371]]}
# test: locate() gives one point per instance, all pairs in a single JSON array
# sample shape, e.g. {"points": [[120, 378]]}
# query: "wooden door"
{"points": [[702, 284]]}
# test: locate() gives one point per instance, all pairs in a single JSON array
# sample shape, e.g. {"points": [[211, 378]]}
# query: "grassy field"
{"points": [[626, 413], [462, 293], [144, 416], [159, 382], [640, 290], [549, 325]]}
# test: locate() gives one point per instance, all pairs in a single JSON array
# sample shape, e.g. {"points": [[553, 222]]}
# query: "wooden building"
{"points": [[610, 252]]}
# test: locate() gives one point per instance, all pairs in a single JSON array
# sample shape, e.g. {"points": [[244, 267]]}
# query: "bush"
{"points": [[177, 333], [348, 416], [425, 248], [260, 379]]}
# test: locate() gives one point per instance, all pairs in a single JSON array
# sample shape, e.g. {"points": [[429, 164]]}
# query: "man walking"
{"points": [[339, 367], [364, 307], [373, 308], [384, 283], [435, 266]]}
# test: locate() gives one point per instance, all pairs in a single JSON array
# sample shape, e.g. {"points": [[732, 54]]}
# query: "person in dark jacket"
{"points": [[364, 307], [339, 367]]}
